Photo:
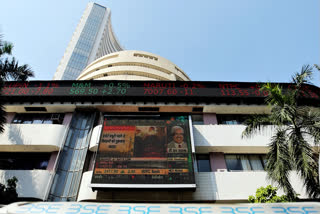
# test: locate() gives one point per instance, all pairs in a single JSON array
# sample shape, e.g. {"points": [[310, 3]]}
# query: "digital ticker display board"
{"points": [[144, 151], [145, 89]]}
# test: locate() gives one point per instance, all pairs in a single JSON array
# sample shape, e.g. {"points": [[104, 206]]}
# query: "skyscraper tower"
{"points": [[92, 39]]}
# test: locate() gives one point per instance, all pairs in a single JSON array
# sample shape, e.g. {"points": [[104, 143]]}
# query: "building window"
{"points": [[38, 119], [245, 162], [23, 160], [197, 119], [231, 119], [145, 56], [203, 163]]}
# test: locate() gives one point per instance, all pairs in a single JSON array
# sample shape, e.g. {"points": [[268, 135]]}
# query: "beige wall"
{"points": [[227, 139], [31, 183], [211, 186], [32, 137], [132, 65]]}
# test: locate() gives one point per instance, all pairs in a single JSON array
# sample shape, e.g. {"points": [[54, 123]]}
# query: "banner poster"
{"points": [[144, 150]]}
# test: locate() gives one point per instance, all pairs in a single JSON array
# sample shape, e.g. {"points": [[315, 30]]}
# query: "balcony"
{"points": [[85, 192], [95, 137], [32, 137], [227, 139], [236, 185], [211, 186], [31, 183]]}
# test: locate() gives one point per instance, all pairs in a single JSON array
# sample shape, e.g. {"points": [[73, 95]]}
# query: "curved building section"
{"points": [[132, 65], [108, 42], [92, 39]]}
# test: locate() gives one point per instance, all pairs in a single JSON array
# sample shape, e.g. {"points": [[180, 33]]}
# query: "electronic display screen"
{"points": [[144, 150], [118, 88]]}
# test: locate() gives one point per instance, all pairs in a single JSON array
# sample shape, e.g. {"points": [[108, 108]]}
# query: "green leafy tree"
{"points": [[293, 123], [10, 70], [8, 194], [268, 194]]}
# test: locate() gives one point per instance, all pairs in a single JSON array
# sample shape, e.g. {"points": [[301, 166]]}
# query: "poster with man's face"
{"points": [[144, 150]]}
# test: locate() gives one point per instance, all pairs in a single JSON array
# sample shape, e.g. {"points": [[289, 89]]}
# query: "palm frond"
{"points": [[303, 77], [304, 162], [282, 115], [275, 95], [5, 48], [255, 124], [309, 121], [11, 70], [2, 111], [2, 118], [279, 162]]}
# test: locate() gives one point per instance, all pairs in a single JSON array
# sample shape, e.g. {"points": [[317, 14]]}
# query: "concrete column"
{"points": [[52, 161], [91, 163], [210, 119], [217, 161], [10, 117], [67, 119]]}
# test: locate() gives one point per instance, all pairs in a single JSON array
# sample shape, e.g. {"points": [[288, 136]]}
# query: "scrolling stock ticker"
{"points": [[144, 88]]}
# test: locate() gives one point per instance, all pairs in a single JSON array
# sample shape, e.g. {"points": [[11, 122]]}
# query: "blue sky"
{"points": [[211, 40]]}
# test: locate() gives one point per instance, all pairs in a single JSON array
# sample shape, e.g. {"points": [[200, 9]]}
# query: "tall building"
{"points": [[92, 39]]}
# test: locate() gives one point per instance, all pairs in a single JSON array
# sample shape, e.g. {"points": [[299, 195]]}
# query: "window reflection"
{"points": [[203, 162], [70, 166], [231, 119], [81, 52], [245, 162], [38, 118], [17, 160]]}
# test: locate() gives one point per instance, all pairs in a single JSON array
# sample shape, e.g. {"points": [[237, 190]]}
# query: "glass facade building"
{"points": [[92, 39]]}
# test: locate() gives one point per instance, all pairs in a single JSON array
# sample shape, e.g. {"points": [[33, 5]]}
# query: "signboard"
{"points": [[144, 151], [144, 88], [148, 208]]}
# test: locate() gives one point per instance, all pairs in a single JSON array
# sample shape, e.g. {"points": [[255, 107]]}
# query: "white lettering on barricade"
{"points": [[131, 208]]}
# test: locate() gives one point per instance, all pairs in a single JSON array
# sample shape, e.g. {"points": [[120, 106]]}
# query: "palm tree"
{"points": [[10, 70], [294, 124]]}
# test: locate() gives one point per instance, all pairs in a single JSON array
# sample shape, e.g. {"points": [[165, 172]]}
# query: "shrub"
{"points": [[8, 194], [267, 195]]}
